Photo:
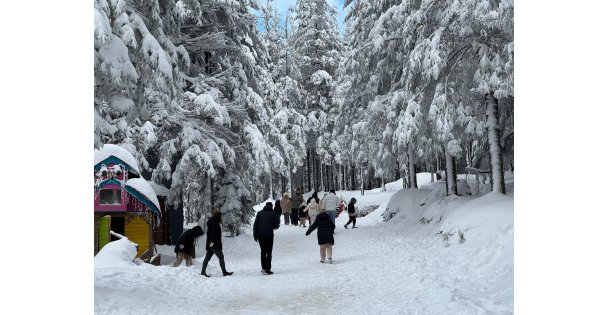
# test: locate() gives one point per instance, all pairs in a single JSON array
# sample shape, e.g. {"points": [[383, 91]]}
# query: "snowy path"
{"points": [[374, 272]]}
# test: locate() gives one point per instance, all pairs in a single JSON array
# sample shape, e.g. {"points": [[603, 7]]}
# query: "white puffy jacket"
{"points": [[313, 207], [330, 202]]}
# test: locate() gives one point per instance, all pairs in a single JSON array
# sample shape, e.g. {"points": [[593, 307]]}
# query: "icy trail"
{"points": [[374, 271]]}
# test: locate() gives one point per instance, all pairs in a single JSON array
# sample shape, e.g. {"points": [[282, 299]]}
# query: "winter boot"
{"points": [[345, 226], [330, 261], [227, 273], [204, 273]]}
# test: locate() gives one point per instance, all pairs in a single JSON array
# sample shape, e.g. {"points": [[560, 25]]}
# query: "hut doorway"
{"points": [[117, 225]]}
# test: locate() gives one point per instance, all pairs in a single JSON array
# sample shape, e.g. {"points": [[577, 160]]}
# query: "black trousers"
{"points": [[220, 256], [294, 216], [351, 219], [266, 243]]}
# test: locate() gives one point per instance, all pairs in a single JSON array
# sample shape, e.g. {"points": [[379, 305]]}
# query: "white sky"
{"points": [[560, 212]]}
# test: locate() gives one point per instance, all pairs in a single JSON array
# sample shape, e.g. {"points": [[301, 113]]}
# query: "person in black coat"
{"points": [[185, 246], [266, 221], [325, 234], [352, 215], [277, 208], [214, 243]]}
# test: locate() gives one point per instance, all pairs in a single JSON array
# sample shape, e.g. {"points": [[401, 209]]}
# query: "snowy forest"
{"points": [[229, 103]]}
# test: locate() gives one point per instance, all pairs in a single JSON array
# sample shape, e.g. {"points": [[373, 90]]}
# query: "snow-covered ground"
{"points": [[436, 255]]}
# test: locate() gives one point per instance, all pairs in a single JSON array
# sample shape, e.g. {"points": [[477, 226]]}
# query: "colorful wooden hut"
{"points": [[124, 203]]}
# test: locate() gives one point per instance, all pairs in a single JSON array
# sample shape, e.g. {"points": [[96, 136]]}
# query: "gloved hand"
{"points": [[255, 239], [307, 233]]}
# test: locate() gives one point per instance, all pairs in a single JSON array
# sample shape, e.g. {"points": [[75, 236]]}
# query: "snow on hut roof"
{"points": [[159, 189], [109, 150], [143, 189]]}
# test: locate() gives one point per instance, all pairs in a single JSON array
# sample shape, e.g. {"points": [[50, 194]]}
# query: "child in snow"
{"points": [[352, 215], [325, 235], [302, 214], [312, 209]]}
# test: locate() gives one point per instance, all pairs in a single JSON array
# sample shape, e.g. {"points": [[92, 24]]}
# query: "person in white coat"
{"points": [[330, 204], [312, 209]]}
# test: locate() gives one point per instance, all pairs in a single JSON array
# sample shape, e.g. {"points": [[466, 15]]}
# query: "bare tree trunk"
{"points": [[498, 175], [289, 178], [309, 186], [362, 190], [271, 192], [412, 167], [321, 177], [450, 173]]}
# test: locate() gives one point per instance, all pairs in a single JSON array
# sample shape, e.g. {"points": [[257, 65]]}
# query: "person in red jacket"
{"points": [[214, 243]]}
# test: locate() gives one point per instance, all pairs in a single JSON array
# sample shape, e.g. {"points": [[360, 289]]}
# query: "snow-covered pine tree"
{"points": [[316, 47]]}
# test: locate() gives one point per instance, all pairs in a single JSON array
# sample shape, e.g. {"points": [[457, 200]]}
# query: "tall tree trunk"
{"points": [[289, 178], [412, 167], [271, 192], [321, 177], [353, 175], [362, 190], [498, 175], [450, 173], [308, 184]]}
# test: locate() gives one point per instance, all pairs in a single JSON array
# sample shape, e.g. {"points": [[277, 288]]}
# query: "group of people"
{"points": [[321, 214]]}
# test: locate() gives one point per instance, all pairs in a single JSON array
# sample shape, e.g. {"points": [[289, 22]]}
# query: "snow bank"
{"points": [[119, 253], [481, 219]]}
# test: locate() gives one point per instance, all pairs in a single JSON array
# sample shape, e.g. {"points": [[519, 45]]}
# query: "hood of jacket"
{"points": [[197, 231]]}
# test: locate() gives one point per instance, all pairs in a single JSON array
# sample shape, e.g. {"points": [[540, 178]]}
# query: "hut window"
{"points": [[110, 197]]}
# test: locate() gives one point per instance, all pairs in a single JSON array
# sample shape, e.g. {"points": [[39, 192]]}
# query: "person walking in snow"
{"points": [[277, 207], [185, 248], [325, 235], [266, 221], [302, 214], [352, 214], [313, 196], [286, 208], [214, 243], [312, 209], [330, 204], [296, 201]]}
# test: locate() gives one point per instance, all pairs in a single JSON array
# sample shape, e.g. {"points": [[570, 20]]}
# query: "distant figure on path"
{"points": [[352, 214], [313, 196], [286, 207], [302, 214], [214, 243], [277, 207], [341, 207], [185, 246], [330, 204], [325, 235], [312, 209], [296, 201], [266, 221]]}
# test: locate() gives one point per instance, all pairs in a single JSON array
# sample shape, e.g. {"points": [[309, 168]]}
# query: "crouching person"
{"points": [[185, 248]]}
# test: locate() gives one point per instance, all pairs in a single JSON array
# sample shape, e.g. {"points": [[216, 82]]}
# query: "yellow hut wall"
{"points": [[138, 231]]}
